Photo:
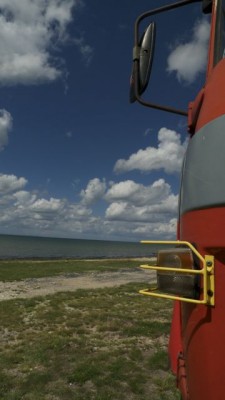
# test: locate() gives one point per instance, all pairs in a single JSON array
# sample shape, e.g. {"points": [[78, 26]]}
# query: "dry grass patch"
{"points": [[88, 345]]}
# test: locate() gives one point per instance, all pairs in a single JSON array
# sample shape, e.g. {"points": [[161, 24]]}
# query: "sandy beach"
{"points": [[29, 288]]}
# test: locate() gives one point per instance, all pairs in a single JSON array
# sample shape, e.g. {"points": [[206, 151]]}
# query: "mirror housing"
{"points": [[146, 55], [143, 55]]}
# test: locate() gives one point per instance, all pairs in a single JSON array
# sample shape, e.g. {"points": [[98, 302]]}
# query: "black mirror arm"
{"points": [[158, 11], [152, 105]]}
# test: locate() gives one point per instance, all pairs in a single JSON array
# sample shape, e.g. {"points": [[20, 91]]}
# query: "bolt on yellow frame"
{"points": [[207, 273]]}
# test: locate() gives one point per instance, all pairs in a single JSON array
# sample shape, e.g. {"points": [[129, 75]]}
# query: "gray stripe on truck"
{"points": [[203, 176]]}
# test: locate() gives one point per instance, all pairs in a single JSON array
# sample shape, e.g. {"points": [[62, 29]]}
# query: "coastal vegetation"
{"points": [[11, 270], [97, 344]]}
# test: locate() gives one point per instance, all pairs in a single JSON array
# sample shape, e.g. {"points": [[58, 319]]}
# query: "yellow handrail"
{"points": [[177, 243], [207, 272]]}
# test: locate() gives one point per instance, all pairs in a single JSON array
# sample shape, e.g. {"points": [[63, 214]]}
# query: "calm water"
{"points": [[37, 247]]}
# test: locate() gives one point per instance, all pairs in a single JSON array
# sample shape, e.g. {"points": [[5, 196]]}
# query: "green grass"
{"points": [[104, 344], [24, 269]]}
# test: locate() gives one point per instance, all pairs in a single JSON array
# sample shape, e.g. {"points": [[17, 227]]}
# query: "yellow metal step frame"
{"points": [[207, 273]]}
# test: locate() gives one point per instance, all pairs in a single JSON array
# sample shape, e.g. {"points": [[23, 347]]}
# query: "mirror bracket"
{"points": [[137, 51]]}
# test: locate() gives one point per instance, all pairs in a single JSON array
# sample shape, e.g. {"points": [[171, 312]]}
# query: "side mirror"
{"points": [[143, 55]]}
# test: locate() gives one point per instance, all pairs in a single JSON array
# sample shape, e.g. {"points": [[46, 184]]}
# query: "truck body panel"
{"points": [[196, 346]]}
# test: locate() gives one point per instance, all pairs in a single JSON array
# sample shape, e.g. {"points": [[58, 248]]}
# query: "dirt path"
{"points": [[42, 286]]}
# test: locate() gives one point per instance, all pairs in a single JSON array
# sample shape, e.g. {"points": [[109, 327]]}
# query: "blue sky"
{"points": [[76, 159]]}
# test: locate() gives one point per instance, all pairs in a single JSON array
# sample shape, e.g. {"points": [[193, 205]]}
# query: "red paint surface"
{"points": [[175, 342], [213, 105], [203, 328], [200, 330]]}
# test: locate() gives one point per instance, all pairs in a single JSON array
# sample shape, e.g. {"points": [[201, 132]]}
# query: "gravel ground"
{"points": [[70, 282]]}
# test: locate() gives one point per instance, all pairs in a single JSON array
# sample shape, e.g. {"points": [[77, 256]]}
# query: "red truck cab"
{"points": [[193, 272]]}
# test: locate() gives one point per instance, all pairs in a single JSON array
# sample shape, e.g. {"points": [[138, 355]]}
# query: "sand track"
{"points": [[70, 282]]}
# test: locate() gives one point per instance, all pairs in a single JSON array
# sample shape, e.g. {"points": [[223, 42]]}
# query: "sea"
{"points": [[30, 247]]}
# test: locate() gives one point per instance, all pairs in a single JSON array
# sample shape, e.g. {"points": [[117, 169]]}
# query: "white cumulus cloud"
{"points": [[189, 59], [125, 211], [47, 206], [5, 127], [167, 156], [93, 192], [131, 201], [29, 31], [24, 198], [137, 193], [132, 211], [25, 212], [11, 183]]}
